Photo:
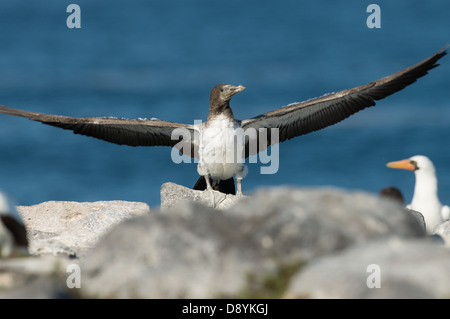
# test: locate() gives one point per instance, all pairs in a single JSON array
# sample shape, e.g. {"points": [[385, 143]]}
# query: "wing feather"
{"points": [[132, 132], [297, 119]]}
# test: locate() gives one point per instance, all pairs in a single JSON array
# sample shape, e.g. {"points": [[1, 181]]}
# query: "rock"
{"points": [[34, 277], [261, 246], [60, 233], [173, 195], [72, 228], [325, 220], [416, 268], [249, 250]]}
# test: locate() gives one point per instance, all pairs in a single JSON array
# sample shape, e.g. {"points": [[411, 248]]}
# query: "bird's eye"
{"points": [[414, 163], [221, 89]]}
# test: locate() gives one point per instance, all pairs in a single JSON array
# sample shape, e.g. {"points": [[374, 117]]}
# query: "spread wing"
{"points": [[302, 118], [132, 132]]}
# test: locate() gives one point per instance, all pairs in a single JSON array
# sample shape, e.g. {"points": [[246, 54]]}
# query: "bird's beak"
{"points": [[235, 89], [403, 164], [240, 88]]}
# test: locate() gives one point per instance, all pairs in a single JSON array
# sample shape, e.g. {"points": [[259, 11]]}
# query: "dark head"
{"points": [[220, 97], [392, 193]]}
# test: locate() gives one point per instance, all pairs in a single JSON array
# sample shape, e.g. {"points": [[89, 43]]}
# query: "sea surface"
{"points": [[160, 58]]}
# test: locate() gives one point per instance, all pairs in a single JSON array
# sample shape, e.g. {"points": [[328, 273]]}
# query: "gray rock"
{"points": [[58, 232], [188, 250], [41, 287], [72, 228], [34, 277], [179, 253], [408, 269], [319, 221], [173, 195], [248, 250]]}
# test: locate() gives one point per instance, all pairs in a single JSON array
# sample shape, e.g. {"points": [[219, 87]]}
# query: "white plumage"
{"points": [[425, 198], [221, 149]]}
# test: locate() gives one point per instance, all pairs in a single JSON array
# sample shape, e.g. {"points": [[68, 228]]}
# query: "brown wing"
{"points": [[132, 132], [302, 118]]}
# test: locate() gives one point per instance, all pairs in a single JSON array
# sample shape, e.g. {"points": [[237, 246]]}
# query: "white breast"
{"points": [[221, 149]]}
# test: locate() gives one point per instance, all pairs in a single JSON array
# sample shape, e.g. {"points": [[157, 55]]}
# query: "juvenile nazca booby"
{"points": [[13, 235], [210, 138], [425, 198]]}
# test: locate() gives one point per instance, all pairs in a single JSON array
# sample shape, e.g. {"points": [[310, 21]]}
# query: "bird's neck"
{"points": [[426, 186], [220, 109]]}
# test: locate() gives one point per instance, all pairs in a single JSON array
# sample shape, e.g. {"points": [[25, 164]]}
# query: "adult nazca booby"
{"points": [[210, 137], [425, 198]]}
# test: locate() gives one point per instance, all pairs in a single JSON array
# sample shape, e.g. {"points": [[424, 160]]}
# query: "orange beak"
{"points": [[403, 164]]}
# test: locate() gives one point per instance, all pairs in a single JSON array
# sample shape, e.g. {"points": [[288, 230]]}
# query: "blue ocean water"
{"points": [[160, 58]]}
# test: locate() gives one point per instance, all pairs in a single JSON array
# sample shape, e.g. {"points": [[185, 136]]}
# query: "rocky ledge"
{"points": [[276, 243]]}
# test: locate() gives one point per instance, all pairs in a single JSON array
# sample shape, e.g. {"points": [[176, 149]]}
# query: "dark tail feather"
{"points": [[225, 186], [201, 184], [17, 230]]}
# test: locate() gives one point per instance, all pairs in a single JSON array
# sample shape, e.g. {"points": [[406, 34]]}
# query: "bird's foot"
{"points": [[211, 190], [213, 198], [239, 188], [239, 194]]}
